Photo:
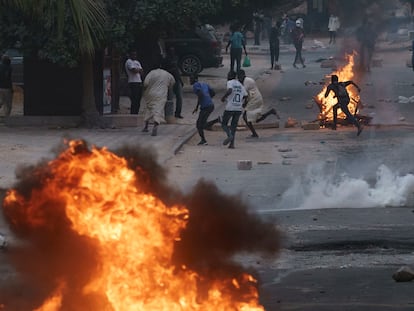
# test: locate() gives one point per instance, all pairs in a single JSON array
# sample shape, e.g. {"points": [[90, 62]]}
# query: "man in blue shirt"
{"points": [[237, 44], [204, 94]]}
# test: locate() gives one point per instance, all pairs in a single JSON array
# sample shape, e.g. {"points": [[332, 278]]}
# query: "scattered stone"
{"points": [[401, 119], [309, 106], [287, 162], [290, 122], [311, 126], [285, 98], [289, 156], [284, 150], [263, 162], [244, 165], [328, 63], [405, 100], [404, 274]]}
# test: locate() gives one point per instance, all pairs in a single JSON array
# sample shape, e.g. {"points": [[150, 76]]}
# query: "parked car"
{"points": [[17, 65], [196, 49]]}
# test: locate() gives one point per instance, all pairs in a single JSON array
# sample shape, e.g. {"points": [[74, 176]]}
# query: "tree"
{"points": [[54, 27], [69, 32]]}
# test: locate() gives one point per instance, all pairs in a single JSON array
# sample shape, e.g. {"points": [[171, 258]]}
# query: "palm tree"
{"points": [[89, 19]]}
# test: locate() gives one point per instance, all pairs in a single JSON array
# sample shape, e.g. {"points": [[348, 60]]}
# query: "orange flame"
{"points": [[133, 234], [345, 73], [54, 302]]}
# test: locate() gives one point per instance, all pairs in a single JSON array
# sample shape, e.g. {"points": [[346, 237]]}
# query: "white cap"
{"points": [[298, 22]]}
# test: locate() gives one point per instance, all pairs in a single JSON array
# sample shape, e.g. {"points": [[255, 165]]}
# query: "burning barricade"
{"points": [[326, 105], [103, 231]]}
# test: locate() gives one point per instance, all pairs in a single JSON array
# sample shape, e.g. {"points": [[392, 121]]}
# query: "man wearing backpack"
{"points": [[339, 89]]}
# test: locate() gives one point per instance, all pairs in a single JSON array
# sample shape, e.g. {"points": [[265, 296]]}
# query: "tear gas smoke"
{"points": [[317, 189]]}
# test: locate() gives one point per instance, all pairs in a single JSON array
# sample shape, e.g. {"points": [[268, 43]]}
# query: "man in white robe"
{"points": [[254, 107], [158, 85]]}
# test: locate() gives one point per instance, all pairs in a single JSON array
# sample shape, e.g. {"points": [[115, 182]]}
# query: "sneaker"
{"points": [[231, 146], [179, 117], [360, 128], [227, 140], [202, 143], [253, 136], [145, 130]]}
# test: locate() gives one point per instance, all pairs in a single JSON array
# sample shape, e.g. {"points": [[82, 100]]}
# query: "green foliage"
{"points": [[59, 31]]}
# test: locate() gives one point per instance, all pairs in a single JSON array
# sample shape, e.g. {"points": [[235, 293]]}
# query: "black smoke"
{"points": [[220, 226]]}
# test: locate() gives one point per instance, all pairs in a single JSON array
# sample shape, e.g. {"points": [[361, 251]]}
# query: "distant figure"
{"points": [[341, 94], [234, 97], [254, 104], [298, 36], [412, 55], [204, 100], [366, 36], [158, 86], [258, 25], [172, 67], [236, 43], [333, 26], [267, 24], [274, 45], [6, 85], [286, 29], [134, 71]]}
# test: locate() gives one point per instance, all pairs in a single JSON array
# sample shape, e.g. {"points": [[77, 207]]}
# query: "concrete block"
{"points": [[269, 125], [310, 125], [328, 63], [244, 165], [290, 122]]}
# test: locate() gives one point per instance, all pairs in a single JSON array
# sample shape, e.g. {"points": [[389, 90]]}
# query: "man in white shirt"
{"points": [[134, 71], [235, 96], [333, 26]]}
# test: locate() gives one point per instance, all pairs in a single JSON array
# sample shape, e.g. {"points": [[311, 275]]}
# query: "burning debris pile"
{"points": [[325, 105], [102, 231]]}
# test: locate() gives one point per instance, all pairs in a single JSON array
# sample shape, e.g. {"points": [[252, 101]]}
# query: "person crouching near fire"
{"points": [[341, 94]]}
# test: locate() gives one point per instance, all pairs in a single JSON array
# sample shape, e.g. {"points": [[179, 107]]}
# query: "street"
{"points": [[343, 204]]}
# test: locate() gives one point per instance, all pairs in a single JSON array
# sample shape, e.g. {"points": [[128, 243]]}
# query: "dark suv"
{"points": [[196, 49]]}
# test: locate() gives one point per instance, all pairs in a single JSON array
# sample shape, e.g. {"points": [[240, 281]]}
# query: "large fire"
{"points": [[345, 73], [129, 233]]}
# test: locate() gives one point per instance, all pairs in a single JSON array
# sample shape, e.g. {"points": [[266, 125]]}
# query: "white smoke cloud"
{"points": [[318, 190]]}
